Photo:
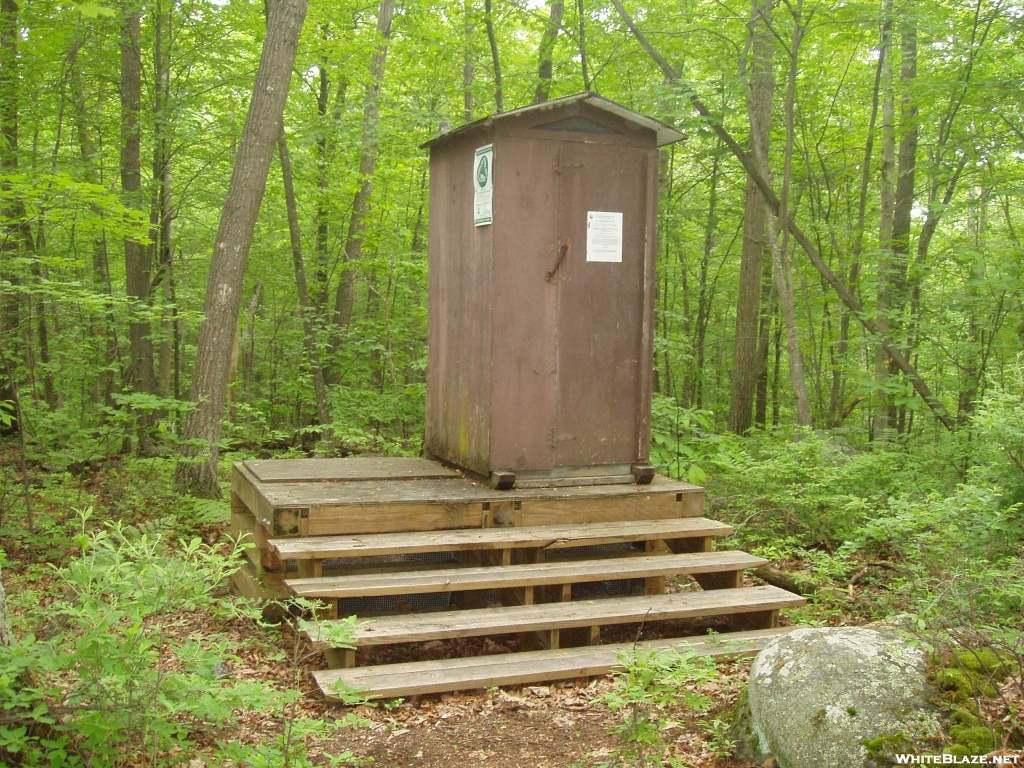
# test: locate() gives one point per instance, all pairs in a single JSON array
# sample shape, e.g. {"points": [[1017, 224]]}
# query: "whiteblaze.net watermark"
{"points": [[958, 759]]}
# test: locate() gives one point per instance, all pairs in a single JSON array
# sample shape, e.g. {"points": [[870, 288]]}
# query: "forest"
{"points": [[839, 343]]}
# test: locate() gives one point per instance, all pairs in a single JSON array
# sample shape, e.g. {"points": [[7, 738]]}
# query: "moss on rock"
{"points": [[977, 739]]}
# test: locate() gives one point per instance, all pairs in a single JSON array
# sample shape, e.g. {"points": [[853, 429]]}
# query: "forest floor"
{"points": [[539, 726], [563, 725]]}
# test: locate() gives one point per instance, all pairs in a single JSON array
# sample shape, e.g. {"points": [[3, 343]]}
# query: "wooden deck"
{"points": [[494, 562]]}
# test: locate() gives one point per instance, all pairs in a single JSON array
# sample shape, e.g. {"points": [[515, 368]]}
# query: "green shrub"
{"points": [[646, 685], [117, 682]]}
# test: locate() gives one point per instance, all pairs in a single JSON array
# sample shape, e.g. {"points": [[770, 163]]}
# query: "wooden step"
{"points": [[391, 680], [499, 577], [462, 539], [417, 627]]}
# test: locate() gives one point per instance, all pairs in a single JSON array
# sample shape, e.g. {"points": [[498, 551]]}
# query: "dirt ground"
{"points": [[542, 726]]}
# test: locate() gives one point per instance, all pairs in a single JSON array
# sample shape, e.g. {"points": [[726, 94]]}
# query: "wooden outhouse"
{"points": [[541, 293]]}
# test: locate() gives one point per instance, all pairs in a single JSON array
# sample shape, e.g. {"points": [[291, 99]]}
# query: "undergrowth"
{"points": [[108, 674]]}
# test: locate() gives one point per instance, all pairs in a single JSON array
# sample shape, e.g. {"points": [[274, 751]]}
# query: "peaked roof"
{"points": [[666, 133]]}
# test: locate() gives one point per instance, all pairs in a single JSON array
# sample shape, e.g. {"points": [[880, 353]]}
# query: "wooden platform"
{"points": [[373, 535]]}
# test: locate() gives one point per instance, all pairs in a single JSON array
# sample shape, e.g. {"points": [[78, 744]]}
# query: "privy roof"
{"points": [[666, 133]]}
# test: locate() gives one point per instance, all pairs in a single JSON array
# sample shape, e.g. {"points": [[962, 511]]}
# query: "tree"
{"points": [[345, 296], [547, 50], [745, 366], [499, 99], [197, 470], [137, 257], [806, 243]]}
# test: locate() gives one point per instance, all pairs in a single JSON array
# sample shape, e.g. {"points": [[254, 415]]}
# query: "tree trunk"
{"points": [[6, 633], [10, 301], [467, 62], [161, 212], [748, 305], [780, 255], [768, 311], [137, 257], [784, 288], [19, 422], [325, 145], [345, 298], [704, 290], [906, 168], [547, 50], [499, 99], [837, 407], [887, 205], [19, 231], [103, 389], [197, 470], [306, 308], [584, 64]]}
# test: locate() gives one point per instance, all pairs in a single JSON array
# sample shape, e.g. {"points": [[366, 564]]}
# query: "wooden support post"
{"points": [[720, 580], [577, 637], [655, 585], [531, 641], [693, 544], [476, 598], [742, 622], [340, 658], [311, 569]]}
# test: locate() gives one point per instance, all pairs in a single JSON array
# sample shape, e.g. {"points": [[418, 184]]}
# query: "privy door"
{"points": [[600, 333]]}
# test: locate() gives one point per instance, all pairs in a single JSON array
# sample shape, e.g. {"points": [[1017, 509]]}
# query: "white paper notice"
{"points": [[483, 185], [604, 236]]}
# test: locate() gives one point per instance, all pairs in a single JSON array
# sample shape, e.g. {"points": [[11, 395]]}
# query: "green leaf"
{"points": [[94, 10]]}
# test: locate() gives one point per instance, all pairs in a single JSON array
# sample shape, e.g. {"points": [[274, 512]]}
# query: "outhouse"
{"points": [[541, 293]]}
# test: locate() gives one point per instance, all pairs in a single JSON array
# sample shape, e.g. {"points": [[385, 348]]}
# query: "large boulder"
{"points": [[836, 698]]}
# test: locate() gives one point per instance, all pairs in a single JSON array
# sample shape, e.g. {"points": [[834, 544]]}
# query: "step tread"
{"points": [[459, 539], [407, 628], [503, 576], [420, 677]]}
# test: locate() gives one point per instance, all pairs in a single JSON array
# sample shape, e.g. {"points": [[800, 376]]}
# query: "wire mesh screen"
{"points": [[420, 557], [431, 601]]}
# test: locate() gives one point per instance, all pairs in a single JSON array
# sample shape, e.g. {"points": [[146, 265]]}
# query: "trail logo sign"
{"points": [[483, 185]]}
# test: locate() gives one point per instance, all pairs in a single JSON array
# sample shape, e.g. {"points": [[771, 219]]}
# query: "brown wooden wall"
{"points": [[458, 418], [525, 373]]}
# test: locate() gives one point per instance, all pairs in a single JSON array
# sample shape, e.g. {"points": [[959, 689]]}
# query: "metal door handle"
{"points": [[561, 255]]}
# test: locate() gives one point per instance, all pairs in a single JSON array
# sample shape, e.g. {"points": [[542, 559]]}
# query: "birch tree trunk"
{"points": [[197, 469]]}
